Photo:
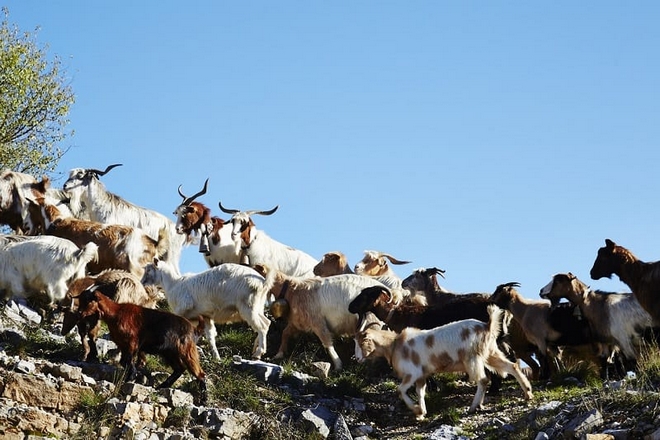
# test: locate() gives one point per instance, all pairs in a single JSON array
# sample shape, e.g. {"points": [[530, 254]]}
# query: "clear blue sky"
{"points": [[500, 141]]}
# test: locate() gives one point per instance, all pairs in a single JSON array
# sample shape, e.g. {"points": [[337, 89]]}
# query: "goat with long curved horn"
{"points": [[394, 260], [188, 200], [252, 212], [228, 211], [103, 173], [269, 212]]}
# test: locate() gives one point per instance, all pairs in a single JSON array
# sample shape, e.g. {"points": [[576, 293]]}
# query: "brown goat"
{"points": [[642, 278], [332, 263], [120, 247], [119, 285], [136, 329], [216, 243]]}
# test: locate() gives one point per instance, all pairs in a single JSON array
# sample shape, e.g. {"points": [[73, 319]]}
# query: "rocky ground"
{"points": [[41, 397]]}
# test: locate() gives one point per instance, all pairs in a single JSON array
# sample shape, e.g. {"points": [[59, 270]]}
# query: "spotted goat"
{"points": [[467, 346]]}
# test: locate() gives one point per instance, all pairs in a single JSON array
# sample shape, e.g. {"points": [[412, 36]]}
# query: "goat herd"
{"points": [[100, 257]]}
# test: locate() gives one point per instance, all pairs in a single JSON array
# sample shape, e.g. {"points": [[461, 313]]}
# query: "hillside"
{"points": [[46, 392]]}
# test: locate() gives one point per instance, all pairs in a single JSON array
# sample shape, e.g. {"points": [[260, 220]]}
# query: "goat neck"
{"points": [[385, 343]]}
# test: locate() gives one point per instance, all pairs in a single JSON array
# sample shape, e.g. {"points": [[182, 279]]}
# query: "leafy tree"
{"points": [[34, 103]]}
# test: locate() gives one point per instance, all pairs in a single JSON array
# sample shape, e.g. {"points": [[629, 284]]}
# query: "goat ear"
{"points": [[609, 243], [44, 184]]}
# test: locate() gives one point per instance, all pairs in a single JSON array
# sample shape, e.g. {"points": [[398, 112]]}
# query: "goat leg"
{"points": [[173, 377]]}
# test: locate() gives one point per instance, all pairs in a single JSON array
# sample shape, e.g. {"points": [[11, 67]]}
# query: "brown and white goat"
{"points": [[118, 285], [318, 305], [423, 283], [332, 263], [258, 248], [548, 328], [462, 346], [374, 264], [398, 316], [136, 329], [120, 247], [643, 278], [216, 243], [614, 318], [336, 263]]}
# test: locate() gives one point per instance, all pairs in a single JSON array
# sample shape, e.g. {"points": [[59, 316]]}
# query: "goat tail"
{"points": [[269, 275], [88, 253], [494, 321], [163, 243]]}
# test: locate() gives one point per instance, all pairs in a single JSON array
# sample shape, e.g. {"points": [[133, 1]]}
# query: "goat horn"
{"points": [[437, 271], [394, 260], [269, 212], [512, 284], [102, 173], [188, 200], [228, 211]]}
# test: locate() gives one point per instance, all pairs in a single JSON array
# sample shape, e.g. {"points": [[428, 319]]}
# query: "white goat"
{"points": [[257, 248], [13, 188], [225, 293], [615, 318], [462, 346], [319, 305], [42, 264], [90, 200]]}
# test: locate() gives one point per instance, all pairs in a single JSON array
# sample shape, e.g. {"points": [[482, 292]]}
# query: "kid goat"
{"points": [[462, 346], [136, 329]]}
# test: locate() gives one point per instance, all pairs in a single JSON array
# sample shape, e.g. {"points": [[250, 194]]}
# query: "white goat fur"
{"points": [[260, 249], [462, 346], [16, 190], [102, 206], [616, 318], [223, 294], [42, 264], [320, 305], [13, 188]]}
